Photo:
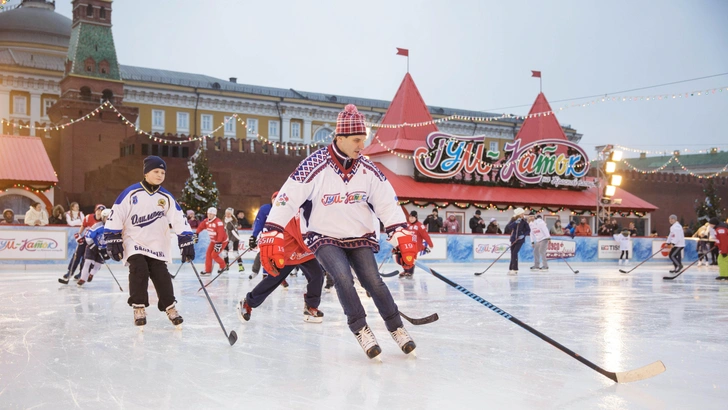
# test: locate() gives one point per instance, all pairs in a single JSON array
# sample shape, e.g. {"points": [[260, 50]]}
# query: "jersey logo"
{"points": [[161, 203], [346, 198], [134, 200], [145, 220], [281, 199]]}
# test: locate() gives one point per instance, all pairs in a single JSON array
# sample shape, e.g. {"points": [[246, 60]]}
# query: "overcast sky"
{"points": [[473, 55]]}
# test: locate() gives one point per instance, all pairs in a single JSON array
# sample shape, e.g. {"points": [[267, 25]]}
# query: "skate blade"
{"points": [[178, 327]]}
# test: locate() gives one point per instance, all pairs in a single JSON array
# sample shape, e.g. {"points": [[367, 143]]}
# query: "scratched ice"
{"points": [[64, 347]]}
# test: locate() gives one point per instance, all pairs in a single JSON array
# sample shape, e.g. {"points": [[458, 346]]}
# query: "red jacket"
{"points": [[721, 238], [296, 250], [215, 228], [422, 236]]}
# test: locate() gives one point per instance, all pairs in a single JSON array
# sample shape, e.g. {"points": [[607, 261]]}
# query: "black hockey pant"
{"points": [[141, 269], [676, 255]]}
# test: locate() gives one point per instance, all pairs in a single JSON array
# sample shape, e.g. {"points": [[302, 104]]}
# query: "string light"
{"points": [[505, 208], [676, 160], [664, 152], [29, 188]]}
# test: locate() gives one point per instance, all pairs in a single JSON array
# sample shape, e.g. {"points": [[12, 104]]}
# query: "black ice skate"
{"points": [[64, 280], [368, 342], [404, 340], [173, 315], [90, 278], [244, 311], [140, 315], [203, 273], [312, 315]]}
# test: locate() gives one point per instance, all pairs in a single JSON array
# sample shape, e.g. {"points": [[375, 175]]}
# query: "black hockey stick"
{"points": [[112, 275], [226, 268], [232, 337], [642, 373], [178, 269], [390, 274], [492, 263], [567, 264], [422, 321], [682, 271], [638, 265]]}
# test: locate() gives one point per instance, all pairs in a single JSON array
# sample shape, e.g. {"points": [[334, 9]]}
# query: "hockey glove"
{"points": [[186, 247], [218, 247], [406, 246], [104, 254], [272, 252], [79, 239], [252, 242], [194, 238], [115, 245]]}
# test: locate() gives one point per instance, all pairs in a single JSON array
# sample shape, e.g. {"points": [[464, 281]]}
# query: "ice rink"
{"points": [[65, 347]]}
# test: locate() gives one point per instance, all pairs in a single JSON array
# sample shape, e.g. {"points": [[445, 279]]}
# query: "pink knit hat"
{"points": [[350, 122]]}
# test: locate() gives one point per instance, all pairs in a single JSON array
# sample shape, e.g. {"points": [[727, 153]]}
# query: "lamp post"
{"points": [[607, 182]]}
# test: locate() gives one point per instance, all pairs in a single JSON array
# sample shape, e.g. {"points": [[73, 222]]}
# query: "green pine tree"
{"points": [[200, 191], [710, 207]]}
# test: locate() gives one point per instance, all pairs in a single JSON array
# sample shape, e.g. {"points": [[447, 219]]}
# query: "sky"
{"points": [[475, 55]]}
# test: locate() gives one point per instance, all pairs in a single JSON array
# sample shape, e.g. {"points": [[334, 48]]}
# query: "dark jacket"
{"points": [[492, 228], [519, 229], [475, 225], [434, 224]]}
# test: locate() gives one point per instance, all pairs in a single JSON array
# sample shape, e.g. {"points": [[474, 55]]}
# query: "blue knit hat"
{"points": [[152, 162]]}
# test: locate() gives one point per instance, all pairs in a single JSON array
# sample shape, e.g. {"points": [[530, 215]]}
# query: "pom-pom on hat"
{"points": [[212, 210], [350, 122], [151, 163]]}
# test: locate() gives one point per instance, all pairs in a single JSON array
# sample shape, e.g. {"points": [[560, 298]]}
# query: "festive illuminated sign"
{"points": [[552, 161]]}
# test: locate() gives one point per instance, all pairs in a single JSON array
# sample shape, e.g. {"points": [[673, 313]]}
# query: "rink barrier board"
{"points": [[461, 248]]}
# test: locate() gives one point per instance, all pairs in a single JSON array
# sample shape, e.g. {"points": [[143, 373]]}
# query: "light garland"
{"points": [[29, 188], [677, 161], [663, 152], [641, 171], [491, 206], [2, 4], [700, 176], [456, 117]]}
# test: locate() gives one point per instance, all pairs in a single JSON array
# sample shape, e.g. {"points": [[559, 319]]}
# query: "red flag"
{"points": [[535, 74], [402, 52]]}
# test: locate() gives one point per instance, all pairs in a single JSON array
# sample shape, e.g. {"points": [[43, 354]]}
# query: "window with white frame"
{"points": [[47, 103], [273, 129], [158, 120], [20, 105], [323, 136], [229, 126], [183, 122], [295, 130], [206, 123], [252, 126], [494, 146]]}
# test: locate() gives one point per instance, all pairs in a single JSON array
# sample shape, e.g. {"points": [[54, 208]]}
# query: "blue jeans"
{"points": [[311, 270], [338, 262], [514, 254]]}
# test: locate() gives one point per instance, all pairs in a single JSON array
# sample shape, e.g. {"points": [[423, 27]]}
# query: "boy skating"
{"points": [[96, 253], [137, 233]]}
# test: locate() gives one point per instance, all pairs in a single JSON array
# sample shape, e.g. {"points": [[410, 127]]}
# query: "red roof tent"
{"points": [[540, 127], [407, 187], [407, 106], [23, 160]]}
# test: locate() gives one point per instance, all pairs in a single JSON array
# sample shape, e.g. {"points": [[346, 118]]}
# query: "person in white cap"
{"points": [[519, 231], [676, 243], [218, 240], [540, 238]]}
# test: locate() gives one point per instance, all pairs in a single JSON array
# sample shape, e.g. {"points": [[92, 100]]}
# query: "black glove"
{"points": [[115, 245], [104, 254], [218, 247], [428, 250], [187, 247], [252, 242]]}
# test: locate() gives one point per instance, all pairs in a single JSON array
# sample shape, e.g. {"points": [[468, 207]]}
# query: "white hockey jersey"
{"points": [[625, 243], [337, 203], [677, 235], [143, 218], [539, 230]]}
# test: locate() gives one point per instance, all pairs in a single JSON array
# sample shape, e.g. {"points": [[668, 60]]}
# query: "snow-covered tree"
{"points": [[200, 191]]}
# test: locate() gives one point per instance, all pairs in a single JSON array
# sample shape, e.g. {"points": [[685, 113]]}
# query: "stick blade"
{"points": [[390, 274], [645, 372], [233, 337], [623, 271]]}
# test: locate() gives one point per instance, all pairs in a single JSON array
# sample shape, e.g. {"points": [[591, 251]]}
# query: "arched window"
{"points": [[323, 136], [85, 93], [107, 95], [89, 11]]}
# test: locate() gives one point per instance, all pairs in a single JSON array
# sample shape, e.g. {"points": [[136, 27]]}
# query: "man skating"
{"points": [[676, 243]]}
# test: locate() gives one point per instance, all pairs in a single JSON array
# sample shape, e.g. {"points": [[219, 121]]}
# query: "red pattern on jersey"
{"points": [[215, 228]]}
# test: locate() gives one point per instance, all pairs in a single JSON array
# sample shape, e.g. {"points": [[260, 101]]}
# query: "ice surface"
{"points": [[64, 347]]}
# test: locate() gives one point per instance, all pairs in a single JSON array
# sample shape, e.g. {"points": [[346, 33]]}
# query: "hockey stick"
{"points": [[642, 373], [423, 321], [232, 337], [226, 268], [70, 274], [178, 269], [492, 263], [112, 275], [638, 265], [390, 274], [682, 271], [567, 264]]}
